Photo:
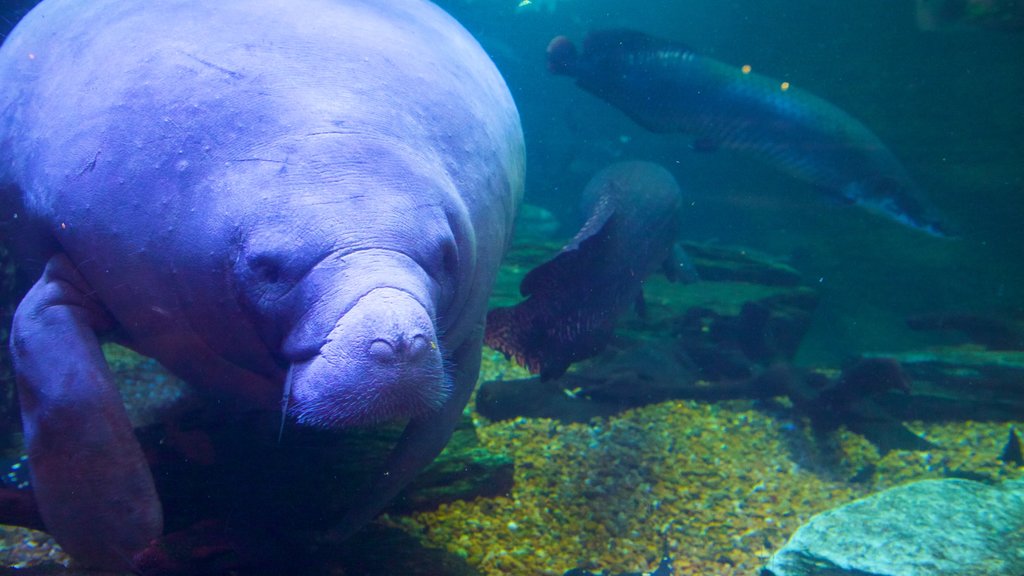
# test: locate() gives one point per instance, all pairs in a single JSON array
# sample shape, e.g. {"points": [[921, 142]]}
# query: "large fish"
{"points": [[573, 300], [667, 87]]}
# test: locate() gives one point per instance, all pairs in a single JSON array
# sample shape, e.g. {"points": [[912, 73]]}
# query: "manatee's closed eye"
{"points": [[271, 264], [445, 262], [266, 267], [450, 257]]}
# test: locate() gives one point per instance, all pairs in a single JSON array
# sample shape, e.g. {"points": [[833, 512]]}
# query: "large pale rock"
{"points": [[928, 528]]}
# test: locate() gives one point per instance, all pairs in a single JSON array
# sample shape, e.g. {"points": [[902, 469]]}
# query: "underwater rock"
{"points": [[928, 528]]}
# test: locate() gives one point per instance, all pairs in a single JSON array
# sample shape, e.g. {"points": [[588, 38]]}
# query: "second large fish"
{"points": [[666, 87]]}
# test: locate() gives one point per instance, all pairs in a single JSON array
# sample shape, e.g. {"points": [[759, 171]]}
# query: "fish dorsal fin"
{"points": [[575, 258]]}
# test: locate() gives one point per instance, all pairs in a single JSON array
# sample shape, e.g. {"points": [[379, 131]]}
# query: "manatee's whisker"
{"points": [[284, 402]]}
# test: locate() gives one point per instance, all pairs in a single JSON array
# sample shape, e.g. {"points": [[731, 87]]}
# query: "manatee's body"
{"points": [[280, 200], [573, 300]]}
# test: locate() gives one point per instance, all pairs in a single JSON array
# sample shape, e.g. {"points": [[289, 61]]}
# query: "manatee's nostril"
{"points": [[419, 346], [404, 349], [382, 351]]}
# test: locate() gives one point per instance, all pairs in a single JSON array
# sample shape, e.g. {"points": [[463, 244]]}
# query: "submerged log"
{"points": [[959, 384], [712, 340]]}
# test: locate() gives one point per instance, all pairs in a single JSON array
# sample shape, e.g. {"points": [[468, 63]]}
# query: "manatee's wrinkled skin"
{"points": [[255, 193]]}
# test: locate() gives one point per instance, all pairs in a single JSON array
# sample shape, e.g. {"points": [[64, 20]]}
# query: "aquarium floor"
{"points": [[720, 484], [723, 484]]}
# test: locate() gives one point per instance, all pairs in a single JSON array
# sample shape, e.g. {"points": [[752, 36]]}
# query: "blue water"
{"points": [[947, 103]]}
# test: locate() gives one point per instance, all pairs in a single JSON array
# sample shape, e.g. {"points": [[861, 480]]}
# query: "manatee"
{"points": [[287, 203], [573, 300]]}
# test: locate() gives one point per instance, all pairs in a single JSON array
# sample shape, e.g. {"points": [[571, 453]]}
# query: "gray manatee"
{"points": [[297, 202]]}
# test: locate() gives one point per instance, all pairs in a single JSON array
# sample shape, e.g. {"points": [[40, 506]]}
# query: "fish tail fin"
{"points": [[537, 339], [507, 332], [562, 56]]}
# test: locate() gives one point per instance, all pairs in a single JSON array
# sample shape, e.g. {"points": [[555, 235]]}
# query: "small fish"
{"points": [[573, 300], [1012, 453], [667, 87]]}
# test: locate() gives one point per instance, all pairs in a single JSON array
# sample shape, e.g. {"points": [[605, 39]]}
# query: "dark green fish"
{"points": [[574, 299], [666, 87]]}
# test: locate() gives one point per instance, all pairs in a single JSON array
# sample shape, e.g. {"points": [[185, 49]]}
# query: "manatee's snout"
{"points": [[380, 362]]}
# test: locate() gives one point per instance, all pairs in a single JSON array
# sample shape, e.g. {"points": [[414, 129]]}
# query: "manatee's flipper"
{"points": [[91, 481], [557, 324], [423, 439]]}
